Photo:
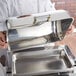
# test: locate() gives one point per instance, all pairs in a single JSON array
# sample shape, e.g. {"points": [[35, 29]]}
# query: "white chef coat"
{"points": [[10, 8], [2, 70]]}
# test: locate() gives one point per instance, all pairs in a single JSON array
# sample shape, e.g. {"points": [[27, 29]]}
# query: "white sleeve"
{"points": [[3, 14], [49, 6], [2, 70]]}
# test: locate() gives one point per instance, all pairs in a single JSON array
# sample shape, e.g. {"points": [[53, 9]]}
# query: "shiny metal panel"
{"points": [[41, 62]]}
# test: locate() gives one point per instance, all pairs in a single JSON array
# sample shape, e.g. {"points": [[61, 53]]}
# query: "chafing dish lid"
{"points": [[56, 24]]}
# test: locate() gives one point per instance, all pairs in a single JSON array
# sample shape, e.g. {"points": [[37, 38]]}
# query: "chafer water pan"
{"points": [[41, 62]]}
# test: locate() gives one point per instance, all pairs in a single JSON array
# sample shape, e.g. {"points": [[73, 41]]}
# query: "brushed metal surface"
{"points": [[41, 62]]}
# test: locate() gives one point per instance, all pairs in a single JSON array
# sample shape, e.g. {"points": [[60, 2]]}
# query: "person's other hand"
{"points": [[70, 29], [3, 43], [70, 41]]}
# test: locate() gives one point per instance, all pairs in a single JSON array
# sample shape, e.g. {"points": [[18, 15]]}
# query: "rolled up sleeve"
{"points": [[3, 14]]}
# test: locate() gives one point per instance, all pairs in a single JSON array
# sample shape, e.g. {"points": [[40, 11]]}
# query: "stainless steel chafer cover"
{"points": [[36, 29]]}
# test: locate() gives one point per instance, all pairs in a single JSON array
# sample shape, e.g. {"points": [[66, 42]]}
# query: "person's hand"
{"points": [[70, 41], [70, 29], [3, 43]]}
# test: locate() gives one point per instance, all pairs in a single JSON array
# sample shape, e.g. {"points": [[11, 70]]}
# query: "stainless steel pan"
{"points": [[41, 62]]}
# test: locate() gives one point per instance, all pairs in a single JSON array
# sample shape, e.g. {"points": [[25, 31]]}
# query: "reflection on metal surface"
{"points": [[41, 62]]}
